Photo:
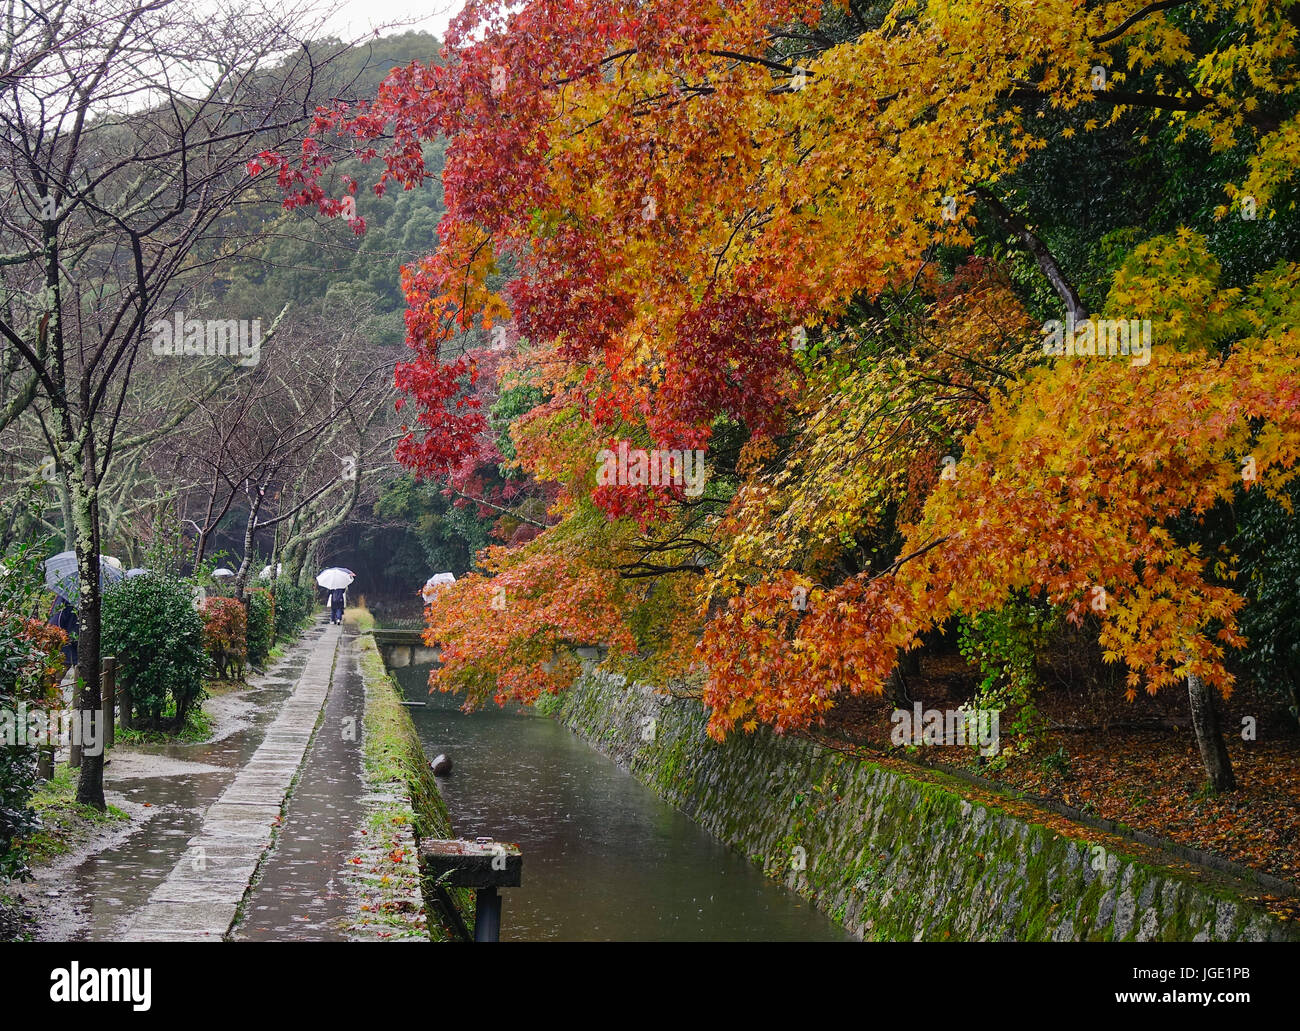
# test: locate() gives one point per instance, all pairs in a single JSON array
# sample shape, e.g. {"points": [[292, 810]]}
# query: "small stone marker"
{"points": [[482, 864]]}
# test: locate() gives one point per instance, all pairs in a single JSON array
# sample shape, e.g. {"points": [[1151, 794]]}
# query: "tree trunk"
{"points": [[1209, 736], [250, 534], [292, 560], [200, 547], [69, 524], [90, 786], [896, 688]]}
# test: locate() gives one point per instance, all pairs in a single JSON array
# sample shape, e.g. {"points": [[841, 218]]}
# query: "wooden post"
{"points": [[108, 693], [123, 703], [482, 864], [74, 744]]}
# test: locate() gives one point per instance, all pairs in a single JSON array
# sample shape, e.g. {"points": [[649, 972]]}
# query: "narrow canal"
{"points": [[604, 857]]}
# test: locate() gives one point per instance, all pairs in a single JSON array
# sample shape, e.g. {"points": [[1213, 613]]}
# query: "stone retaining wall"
{"points": [[908, 853]]}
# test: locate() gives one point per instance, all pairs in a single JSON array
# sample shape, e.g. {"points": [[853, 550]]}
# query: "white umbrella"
{"points": [[334, 578], [432, 584], [218, 574], [265, 574], [61, 575], [137, 571]]}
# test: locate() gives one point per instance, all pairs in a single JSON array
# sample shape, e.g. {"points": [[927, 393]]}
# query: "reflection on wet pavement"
{"points": [[301, 893], [175, 783]]}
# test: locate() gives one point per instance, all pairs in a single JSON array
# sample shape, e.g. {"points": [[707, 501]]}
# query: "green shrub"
{"points": [[294, 607], [261, 626], [1004, 646], [31, 664], [1056, 763], [225, 636], [1267, 539], [150, 624]]}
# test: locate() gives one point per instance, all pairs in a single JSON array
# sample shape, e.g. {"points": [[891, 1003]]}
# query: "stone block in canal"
{"points": [[460, 863]]}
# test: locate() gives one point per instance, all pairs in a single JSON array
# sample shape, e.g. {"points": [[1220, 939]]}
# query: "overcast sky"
{"points": [[357, 18]]}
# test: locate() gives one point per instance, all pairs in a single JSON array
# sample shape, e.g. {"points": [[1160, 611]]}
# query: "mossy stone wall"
{"points": [[891, 855]]}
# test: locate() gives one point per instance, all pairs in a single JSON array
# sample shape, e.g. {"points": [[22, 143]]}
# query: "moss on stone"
{"points": [[394, 755], [891, 855]]}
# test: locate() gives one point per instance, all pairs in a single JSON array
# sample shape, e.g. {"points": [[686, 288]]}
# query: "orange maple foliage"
{"points": [[1072, 486], [692, 192]]}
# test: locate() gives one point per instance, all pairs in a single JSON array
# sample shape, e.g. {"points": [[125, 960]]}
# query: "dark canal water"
{"points": [[604, 857]]}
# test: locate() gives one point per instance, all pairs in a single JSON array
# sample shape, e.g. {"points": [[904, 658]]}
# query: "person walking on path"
{"points": [[338, 598]]}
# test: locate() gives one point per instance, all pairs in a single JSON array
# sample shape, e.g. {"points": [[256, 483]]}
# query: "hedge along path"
{"points": [[201, 896]]}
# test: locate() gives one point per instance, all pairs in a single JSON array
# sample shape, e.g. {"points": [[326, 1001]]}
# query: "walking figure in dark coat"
{"points": [[338, 598], [64, 616]]}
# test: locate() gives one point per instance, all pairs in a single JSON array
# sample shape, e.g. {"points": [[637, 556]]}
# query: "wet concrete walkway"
{"points": [[303, 891], [94, 892], [199, 897]]}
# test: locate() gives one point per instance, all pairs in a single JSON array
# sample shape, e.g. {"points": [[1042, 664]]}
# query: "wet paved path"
{"points": [[167, 788], [198, 897], [302, 892]]}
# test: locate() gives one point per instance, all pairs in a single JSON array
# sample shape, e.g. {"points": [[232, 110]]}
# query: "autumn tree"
{"points": [[759, 218]]}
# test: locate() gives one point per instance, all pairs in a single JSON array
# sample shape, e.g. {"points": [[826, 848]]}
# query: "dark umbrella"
{"points": [[61, 575]]}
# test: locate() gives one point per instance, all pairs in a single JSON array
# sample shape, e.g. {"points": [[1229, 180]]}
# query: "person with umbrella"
{"points": [[61, 577], [64, 616], [431, 586], [336, 581]]}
